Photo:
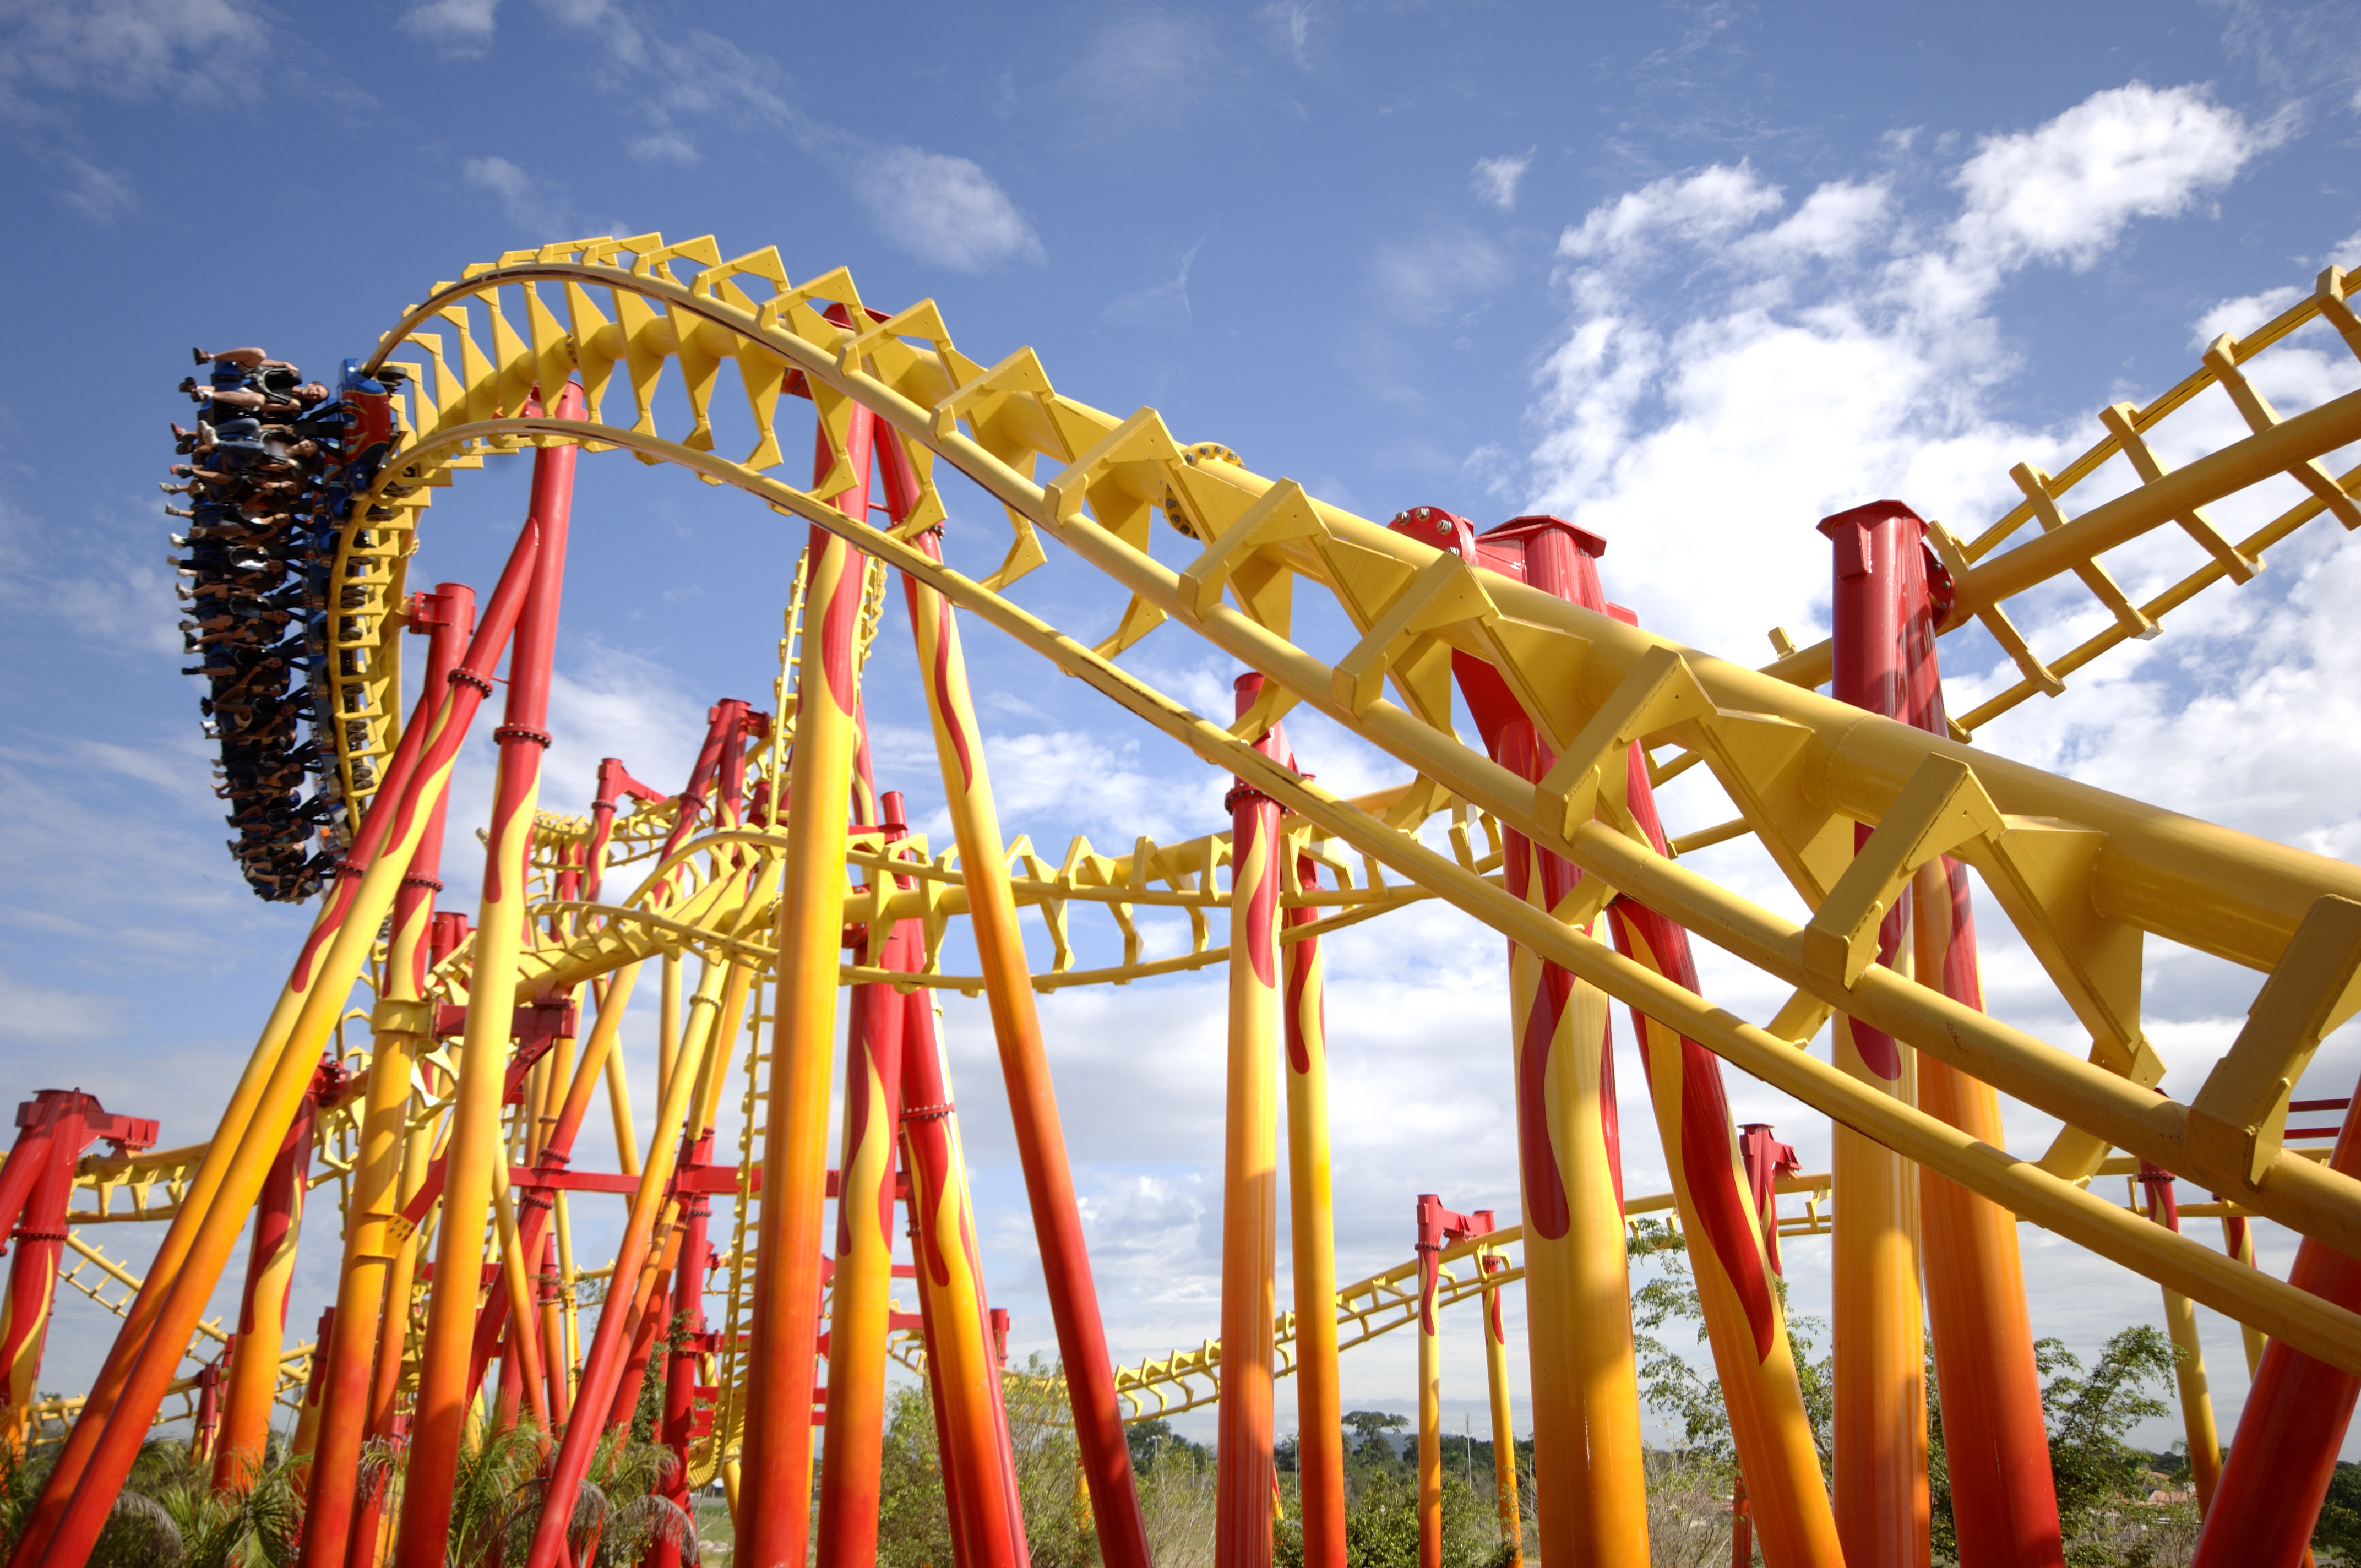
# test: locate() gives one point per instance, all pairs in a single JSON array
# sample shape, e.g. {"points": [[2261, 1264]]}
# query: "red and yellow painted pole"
{"points": [[363, 1309], [1745, 1322], [775, 1459], [2003, 1499], [859, 1301], [36, 1188], [630, 1289], [325, 969], [1032, 1097], [1251, 1170], [252, 1385], [1996, 1443], [2189, 1361], [1588, 1477], [1436, 1225], [1577, 1303], [1504, 1431], [960, 1362], [1319, 1405], [477, 1145], [1880, 1379]]}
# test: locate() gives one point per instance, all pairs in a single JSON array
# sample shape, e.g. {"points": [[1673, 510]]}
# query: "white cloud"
{"points": [[529, 203], [665, 147], [457, 27], [944, 210], [1438, 273], [1494, 180], [129, 47], [1842, 350], [2065, 191], [105, 194], [1694, 208], [1292, 21], [1835, 221]]}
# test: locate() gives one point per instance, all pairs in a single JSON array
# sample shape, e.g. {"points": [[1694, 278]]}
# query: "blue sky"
{"points": [[1694, 274]]}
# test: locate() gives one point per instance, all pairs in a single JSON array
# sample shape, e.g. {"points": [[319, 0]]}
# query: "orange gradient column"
{"points": [[1589, 1482], [1436, 1225], [364, 1310], [775, 1507], [2188, 1367], [1024, 1066], [1504, 1431], [1250, 1171], [478, 1141], [1995, 1440], [252, 1385], [859, 1297], [1312, 1224], [1880, 1359], [2004, 1502], [960, 1362], [1588, 1477]]}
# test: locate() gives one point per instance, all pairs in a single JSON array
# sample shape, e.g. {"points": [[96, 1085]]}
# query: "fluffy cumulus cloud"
{"points": [[944, 210], [2064, 191], [1840, 347]]}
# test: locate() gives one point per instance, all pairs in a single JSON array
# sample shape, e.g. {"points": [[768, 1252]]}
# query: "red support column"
{"points": [[36, 1188]]}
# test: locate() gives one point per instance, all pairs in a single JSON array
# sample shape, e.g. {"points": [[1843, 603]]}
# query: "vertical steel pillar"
{"points": [[1880, 1398], [38, 1180], [1251, 1170], [364, 1309], [1319, 1409], [252, 1384], [476, 1133], [2188, 1367], [773, 1518], [2239, 1243], [1436, 1225], [861, 1297], [2005, 1501], [1589, 1479], [605, 1375], [960, 1365], [1504, 1431], [1032, 1097]]}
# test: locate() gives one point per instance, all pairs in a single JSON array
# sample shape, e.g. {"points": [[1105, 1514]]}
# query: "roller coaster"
{"points": [[439, 1070]]}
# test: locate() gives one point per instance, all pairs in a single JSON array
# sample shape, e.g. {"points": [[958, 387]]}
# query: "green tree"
{"points": [[2090, 1412], [2339, 1530]]}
